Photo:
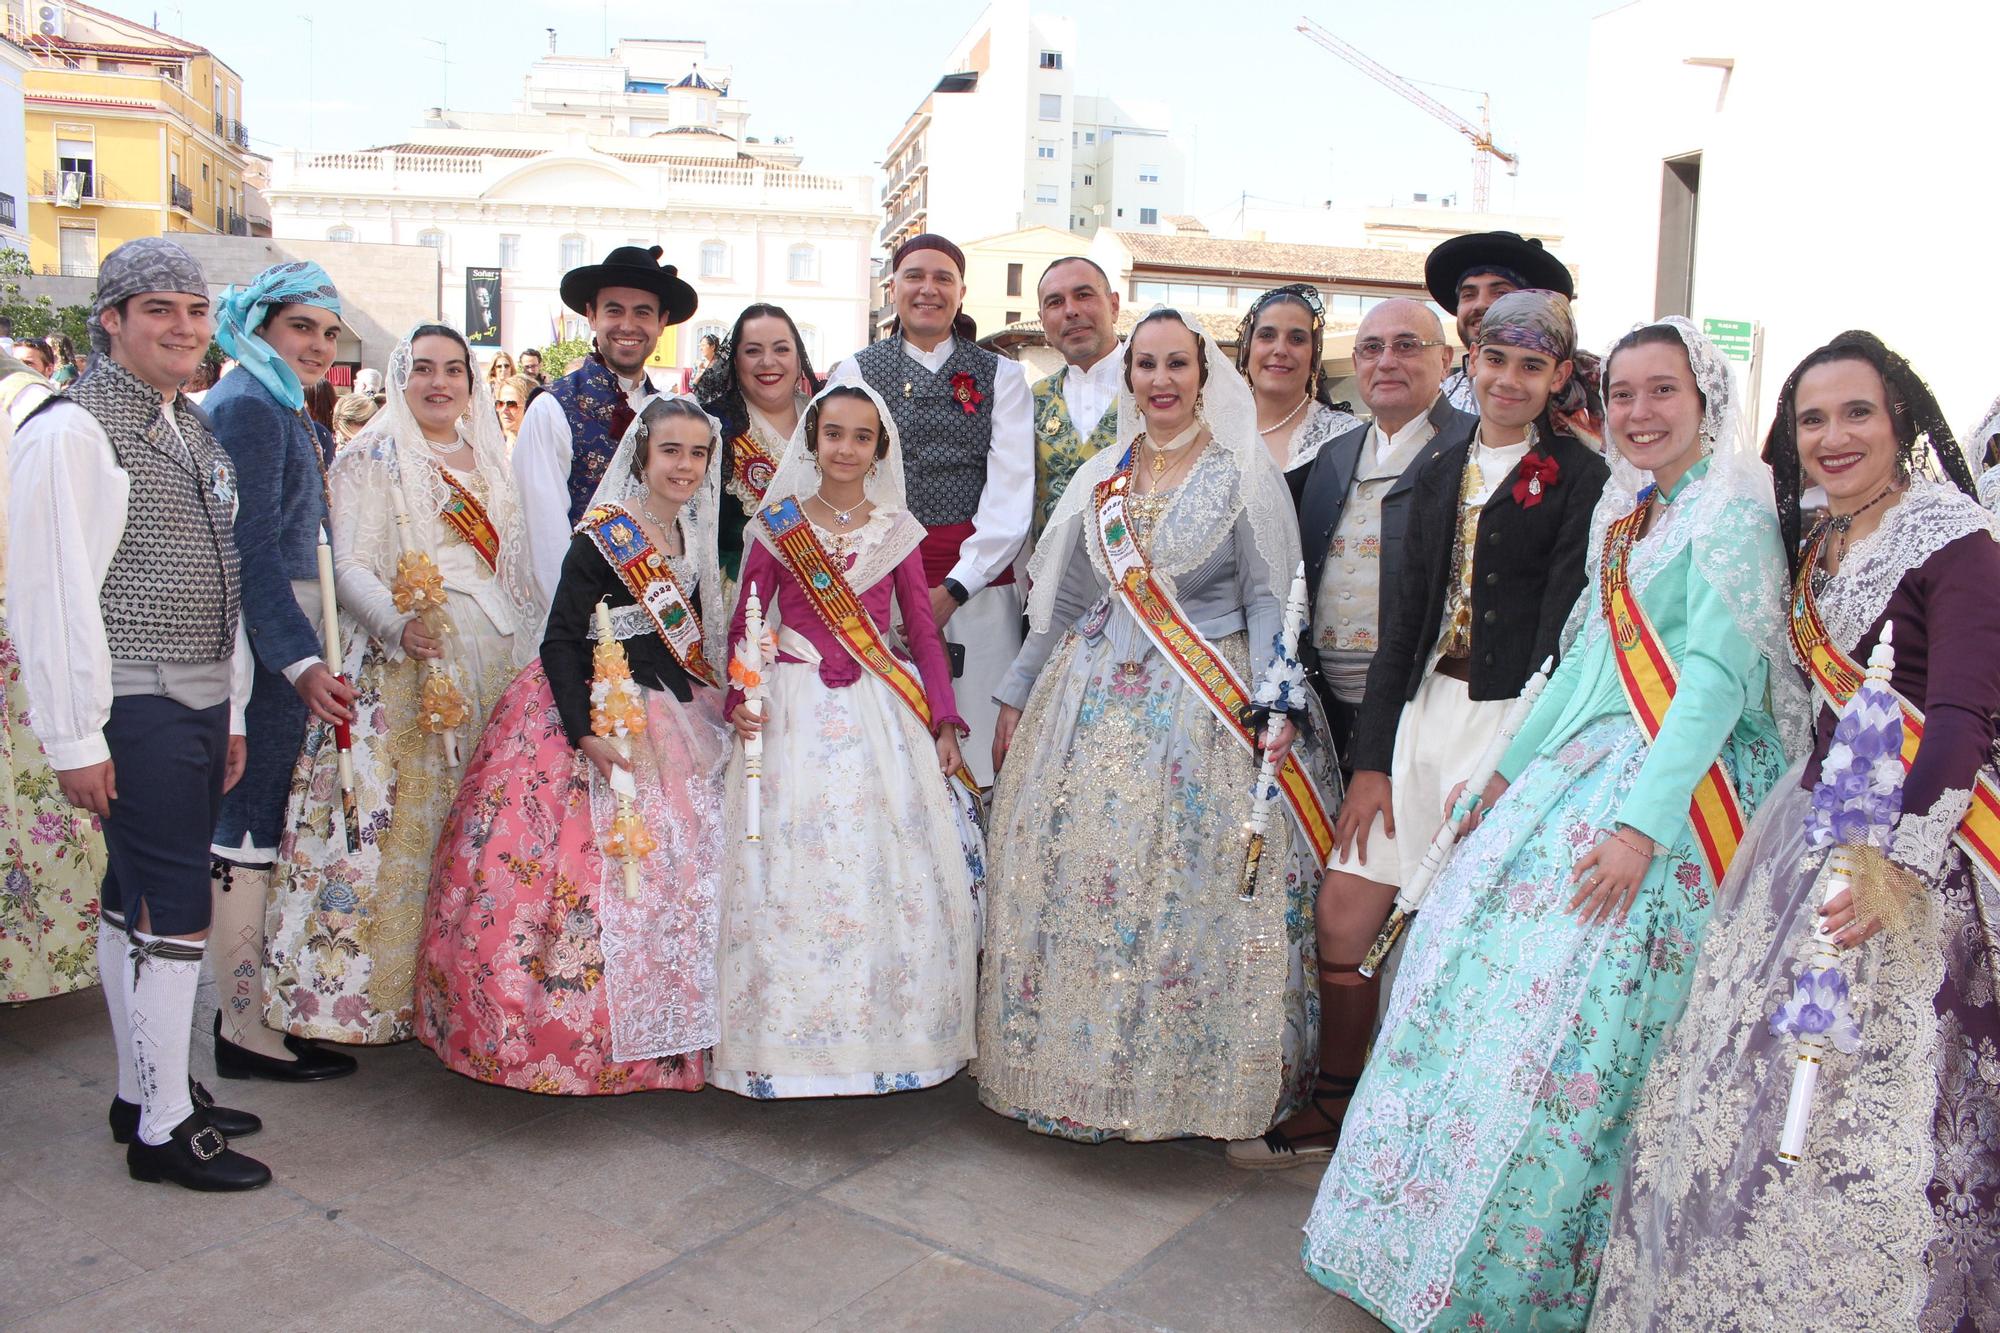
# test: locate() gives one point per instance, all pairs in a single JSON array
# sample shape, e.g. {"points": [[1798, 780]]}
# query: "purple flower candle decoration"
{"points": [[1854, 804]]}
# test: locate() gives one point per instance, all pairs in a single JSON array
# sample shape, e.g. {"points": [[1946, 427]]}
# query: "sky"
{"points": [[1265, 111]]}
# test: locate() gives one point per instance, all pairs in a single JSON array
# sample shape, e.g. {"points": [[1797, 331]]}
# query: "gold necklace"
{"points": [[1160, 457]]}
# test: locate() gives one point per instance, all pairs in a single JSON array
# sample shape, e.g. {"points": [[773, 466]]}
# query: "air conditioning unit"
{"points": [[49, 20], [69, 193]]}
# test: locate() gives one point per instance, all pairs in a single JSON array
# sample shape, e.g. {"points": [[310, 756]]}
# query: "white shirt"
{"points": [[542, 458], [1089, 394], [1007, 503], [63, 469], [1346, 612]]}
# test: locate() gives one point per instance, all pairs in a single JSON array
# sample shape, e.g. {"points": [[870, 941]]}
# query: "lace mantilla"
{"points": [[798, 478], [1921, 841], [1930, 516]]}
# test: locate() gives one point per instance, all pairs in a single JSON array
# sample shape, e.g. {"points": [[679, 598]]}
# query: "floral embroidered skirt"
{"points": [[850, 935], [1892, 1217], [51, 862], [1128, 991], [1473, 1183], [539, 970], [341, 927]]}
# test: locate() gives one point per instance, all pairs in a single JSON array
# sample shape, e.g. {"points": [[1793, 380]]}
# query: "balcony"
{"points": [[238, 224], [218, 124], [74, 189], [6, 210], [239, 134], [183, 197]]}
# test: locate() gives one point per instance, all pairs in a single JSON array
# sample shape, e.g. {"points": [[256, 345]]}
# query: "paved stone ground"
{"points": [[407, 1197]]}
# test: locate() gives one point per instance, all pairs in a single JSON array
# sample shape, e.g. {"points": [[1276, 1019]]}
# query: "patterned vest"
{"points": [[1059, 450], [172, 590], [598, 415], [944, 446]]}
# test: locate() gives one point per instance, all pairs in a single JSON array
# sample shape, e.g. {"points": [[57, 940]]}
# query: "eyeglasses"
{"points": [[514, 403], [1371, 349]]}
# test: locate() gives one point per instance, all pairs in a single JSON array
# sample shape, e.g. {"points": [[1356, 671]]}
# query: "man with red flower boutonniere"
{"points": [[966, 420], [1493, 559]]}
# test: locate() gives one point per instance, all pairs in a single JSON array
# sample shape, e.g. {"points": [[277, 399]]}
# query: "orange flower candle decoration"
{"points": [[418, 589], [618, 713]]}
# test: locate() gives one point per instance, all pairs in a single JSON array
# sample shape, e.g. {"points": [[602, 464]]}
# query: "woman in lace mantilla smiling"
{"points": [[1891, 1216]]}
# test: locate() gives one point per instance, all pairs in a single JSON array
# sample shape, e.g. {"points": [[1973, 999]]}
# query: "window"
{"points": [[1051, 104], [1013, 317], [714, 259], [510, 252], [809, 343], [76, 250], [1149, 217], [1090, 136], [571, 253], [803, 263], [1680, 193], [432, 237], [76, 160], [1088, 178], [1013, 281], [1051, 60], [1046, 150], [1045, 194], [1148, 174], [345, 235]]}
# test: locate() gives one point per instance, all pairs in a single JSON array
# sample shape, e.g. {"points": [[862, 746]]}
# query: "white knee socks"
{"points": [[114, 973], [162, 1010], [236, 952]]}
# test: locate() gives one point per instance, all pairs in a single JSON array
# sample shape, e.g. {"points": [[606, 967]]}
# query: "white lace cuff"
{"points": [[1921, 841]]}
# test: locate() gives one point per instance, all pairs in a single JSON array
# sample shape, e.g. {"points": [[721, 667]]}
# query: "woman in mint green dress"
{"points": [[1472, 1187]]}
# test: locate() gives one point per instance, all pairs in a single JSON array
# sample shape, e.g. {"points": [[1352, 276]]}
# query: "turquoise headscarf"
{"points": [[243, 309]]}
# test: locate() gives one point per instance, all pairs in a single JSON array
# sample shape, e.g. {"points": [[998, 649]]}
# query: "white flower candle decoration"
{"points": [[1281, 691], [617, 713], [746, 668]]}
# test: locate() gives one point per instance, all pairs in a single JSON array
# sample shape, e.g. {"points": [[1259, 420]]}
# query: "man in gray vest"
{"points": [[966, 421], [123, 597]]}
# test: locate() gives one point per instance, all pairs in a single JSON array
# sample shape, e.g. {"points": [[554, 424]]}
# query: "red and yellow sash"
{"points": [[751, 468], [644, 571], [464, 515], [1837, 676], [1651, 680], [1193, 656], [841, 611]]}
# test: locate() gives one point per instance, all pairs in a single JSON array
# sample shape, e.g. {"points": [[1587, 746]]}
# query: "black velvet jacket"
{"points": [[587, 579], [1527, 571]]}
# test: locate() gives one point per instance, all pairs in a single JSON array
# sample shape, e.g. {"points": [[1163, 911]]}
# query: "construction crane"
{"points": [[1484, 149]]}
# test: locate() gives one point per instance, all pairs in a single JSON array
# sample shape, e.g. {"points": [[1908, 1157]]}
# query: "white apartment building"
{"points": [[1803, 171], [1003, 142], [646, 146], [14, 63]]}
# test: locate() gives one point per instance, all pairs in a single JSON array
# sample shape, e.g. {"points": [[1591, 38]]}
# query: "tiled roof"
{"points": [[1330, 263]]}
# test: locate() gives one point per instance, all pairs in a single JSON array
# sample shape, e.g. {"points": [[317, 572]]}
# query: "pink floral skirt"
{"points": [[538, 969]]}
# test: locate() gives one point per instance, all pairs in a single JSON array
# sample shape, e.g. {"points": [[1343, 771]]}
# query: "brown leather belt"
{"points": [[1458, 668]]}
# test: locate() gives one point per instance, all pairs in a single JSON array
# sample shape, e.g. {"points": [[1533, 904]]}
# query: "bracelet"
{"points": [[1618, 835]]}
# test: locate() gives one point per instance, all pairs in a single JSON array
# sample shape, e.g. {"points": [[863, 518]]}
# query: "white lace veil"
{"points": [[1710, 513], [697, 520], [393, 439], [798, 477], [1235, 476]]}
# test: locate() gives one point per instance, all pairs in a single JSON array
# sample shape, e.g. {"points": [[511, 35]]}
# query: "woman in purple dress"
{"points": [[1891, 1216]]}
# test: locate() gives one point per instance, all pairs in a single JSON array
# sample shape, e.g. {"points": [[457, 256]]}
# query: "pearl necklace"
{"points": [[1266, 430]]}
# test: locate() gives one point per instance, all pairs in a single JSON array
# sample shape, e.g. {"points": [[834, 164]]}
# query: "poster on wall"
{"points": [[482, 307]]}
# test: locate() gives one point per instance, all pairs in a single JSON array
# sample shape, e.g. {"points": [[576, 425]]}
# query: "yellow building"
{"points": [[130, 132]]}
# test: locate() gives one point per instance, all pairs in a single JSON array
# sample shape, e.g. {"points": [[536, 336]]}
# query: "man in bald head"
{"points": [[1353, 503]]}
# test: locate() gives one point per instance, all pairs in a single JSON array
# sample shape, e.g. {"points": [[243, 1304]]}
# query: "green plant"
{"points": [[557, 355], [36, 316]]}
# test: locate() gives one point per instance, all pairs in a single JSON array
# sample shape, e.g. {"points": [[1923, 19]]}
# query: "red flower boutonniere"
{"points": [[966, 392], [1538, 473]]}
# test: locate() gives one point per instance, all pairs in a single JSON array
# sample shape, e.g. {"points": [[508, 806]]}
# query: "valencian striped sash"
{"points": [[464, 515], [645, 573]]}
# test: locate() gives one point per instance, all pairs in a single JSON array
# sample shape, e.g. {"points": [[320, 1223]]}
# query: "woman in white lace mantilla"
{"points": [[438, 611], [1891, 1218], [1280, 345], [1128, 991]]}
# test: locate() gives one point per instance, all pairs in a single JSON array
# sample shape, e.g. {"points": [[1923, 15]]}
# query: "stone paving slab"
{"points": [[409, 1198]]}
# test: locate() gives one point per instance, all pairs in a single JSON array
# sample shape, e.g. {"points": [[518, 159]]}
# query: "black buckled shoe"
{"points": [[233, 1124], [195, 1157], [314, 1062]]}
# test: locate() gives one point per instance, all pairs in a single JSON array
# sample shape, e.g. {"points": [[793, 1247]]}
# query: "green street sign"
{"points": [[1734, 338]]}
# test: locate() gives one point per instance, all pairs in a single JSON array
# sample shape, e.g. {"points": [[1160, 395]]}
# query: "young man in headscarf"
{"points": [[281, 329], [124, 593], [1076, 408], [966, 418], [1467, 274], [572, 427]]}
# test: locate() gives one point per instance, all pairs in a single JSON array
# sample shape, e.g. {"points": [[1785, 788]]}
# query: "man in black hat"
{"points": [[1469, 273], [572, 427]]}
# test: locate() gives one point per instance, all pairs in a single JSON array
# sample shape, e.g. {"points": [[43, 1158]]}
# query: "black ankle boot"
{"points": [[195, 1157], [233, 1124], [313, 1063]]}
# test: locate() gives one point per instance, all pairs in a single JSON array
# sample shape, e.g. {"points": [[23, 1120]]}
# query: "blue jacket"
{"points": [[283, 504]]}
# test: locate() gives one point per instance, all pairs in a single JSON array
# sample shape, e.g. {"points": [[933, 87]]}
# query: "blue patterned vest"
{"points": [[598, 415], [944, 445], [1059, 449]]}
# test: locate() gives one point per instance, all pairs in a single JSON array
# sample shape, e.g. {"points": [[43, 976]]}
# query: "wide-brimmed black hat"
{"points": [[631, 266], [1499, 249]]}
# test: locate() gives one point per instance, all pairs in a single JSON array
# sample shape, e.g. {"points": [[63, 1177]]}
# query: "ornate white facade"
{"points": [[644, 147]]}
